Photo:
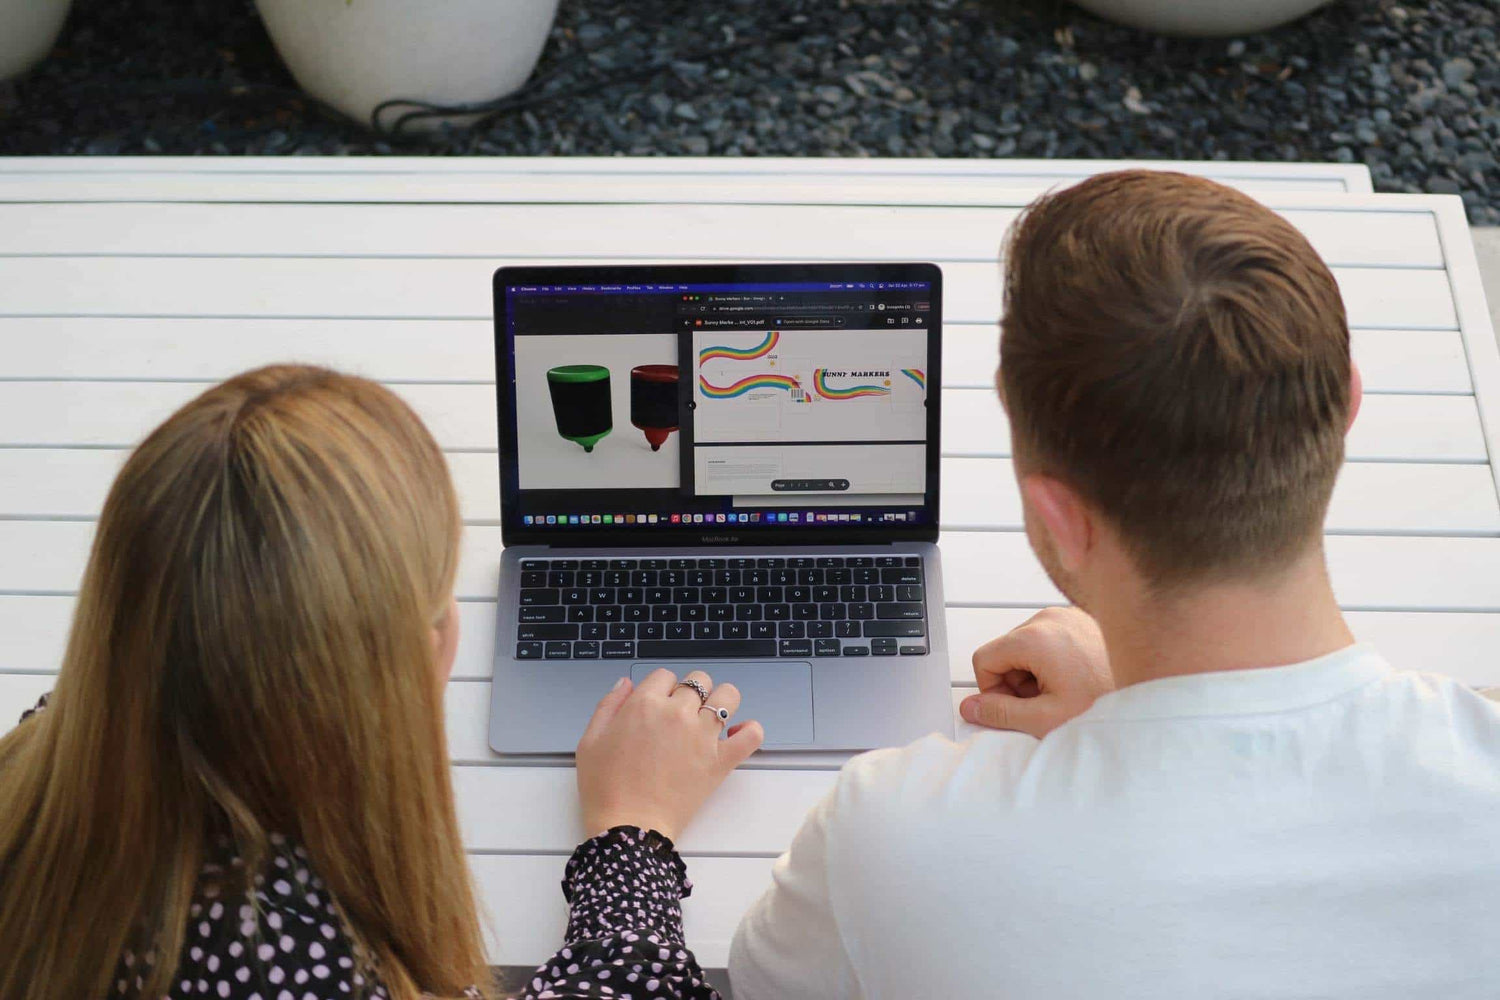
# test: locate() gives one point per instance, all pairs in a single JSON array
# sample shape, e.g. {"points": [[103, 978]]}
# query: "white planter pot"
{"points": [[354, 54], [27, 30], [1201, 17]]}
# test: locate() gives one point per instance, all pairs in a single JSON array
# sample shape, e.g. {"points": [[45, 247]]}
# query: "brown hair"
{"points": [[251, 656], [1177, 353]]}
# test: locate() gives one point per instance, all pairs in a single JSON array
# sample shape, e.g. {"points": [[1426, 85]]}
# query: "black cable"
{"points": [[530, 95]]}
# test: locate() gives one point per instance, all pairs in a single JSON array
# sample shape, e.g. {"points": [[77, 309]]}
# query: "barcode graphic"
{"points": [[798, 395]]}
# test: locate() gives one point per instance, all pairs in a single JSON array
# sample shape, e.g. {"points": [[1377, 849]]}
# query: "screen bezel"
{"points": [[514, 532]]}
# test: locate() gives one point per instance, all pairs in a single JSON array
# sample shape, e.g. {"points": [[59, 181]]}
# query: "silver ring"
{"points": [[688, 682], [722, 714]]}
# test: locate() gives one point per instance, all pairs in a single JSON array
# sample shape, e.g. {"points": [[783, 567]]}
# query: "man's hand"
{"points": [[1040, 674]]}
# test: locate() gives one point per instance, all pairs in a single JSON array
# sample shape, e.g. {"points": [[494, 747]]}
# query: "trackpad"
{"points": [[776, 693]]}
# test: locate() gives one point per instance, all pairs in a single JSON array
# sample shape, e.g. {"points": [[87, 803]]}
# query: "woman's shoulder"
{"points": [[272, 933]]}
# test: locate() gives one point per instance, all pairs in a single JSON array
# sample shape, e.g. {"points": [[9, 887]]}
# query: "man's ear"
{"points": [[1066, 517], [1356, 393]]}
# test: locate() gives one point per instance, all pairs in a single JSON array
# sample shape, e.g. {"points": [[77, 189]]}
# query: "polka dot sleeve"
{"points": [[624, 889]]}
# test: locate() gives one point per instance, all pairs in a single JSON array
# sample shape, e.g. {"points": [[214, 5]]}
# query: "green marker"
{"points": [[581, 403]]}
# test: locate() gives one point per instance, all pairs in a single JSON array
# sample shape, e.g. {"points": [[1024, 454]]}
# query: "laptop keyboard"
{"points": [[711, 608]]}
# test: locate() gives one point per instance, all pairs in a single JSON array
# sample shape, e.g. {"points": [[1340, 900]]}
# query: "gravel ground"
{"points": [[1411, 88]]}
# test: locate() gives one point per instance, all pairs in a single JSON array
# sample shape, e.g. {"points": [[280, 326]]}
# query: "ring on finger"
{"points": [[688, 682], [722, 714]]}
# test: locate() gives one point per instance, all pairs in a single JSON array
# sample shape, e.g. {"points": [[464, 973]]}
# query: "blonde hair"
{"points": [[251, 654]]}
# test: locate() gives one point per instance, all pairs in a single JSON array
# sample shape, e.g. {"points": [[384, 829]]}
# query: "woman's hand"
{"points": [[650, 757]]}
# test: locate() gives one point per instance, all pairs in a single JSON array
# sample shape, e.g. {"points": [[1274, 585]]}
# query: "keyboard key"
{"points": [[679, 630], [564, 564], [727, 577], [664, 613], [658, 595], [805, 612], [865, 576], [798, 595], [832, 612], [899, 629], [899, 611], [707, 648], [762, 630], [913, 650], [861, 612], [539, 596], [631, 595], [770, 562], [791, 630], [741, 595], [839, 577], [616, 578], [533, 564], [618, 650], [622, 630], [534, 579], [671, 577], [585, 649], [883, 647], [809, 577], [699, 578], [686, 595], [825, 595], [881, 592], [825, 562], [710, 564], [593, 631], [721, 612], [887, 560], [846, 629], [715, 595], [913, 561], [859, 562], [909, 592], [588, 578], [706, 630], [856, 650], [756, 577], [826, 647], [650, 630], [623, 564], [800, 562], [636, 612], [550, 614], [607, 613], [795, 647], [558, 579], [777, 612], [733, 630], [680, 563], [526, 631], [819, 630], [559, 651], [747, 612], [574, 595], [693, 612], [853, 593], [528, 651], [653, 564], [594, 564], [602, 595], [643, 578], [901, 576], [783, 577], [770, 595], [741, 563]]}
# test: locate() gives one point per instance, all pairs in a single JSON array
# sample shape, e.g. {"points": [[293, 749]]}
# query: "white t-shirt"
{"points": [[1326, 829]]}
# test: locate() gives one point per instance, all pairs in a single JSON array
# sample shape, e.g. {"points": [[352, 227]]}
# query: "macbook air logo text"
{"points": [[719, 539]]}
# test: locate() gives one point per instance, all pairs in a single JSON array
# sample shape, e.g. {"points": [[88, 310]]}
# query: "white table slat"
{"points": [[52, 347], [336, 173], [978, 493], [1402, 428], [349, 287], [1460, 644], [700, 231], [986, 568]]}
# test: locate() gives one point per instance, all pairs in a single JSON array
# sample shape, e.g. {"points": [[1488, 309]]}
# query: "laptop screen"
{"points": [[718, 404]]}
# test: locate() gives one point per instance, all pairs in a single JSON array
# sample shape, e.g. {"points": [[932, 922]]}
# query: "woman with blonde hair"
{"points": [[240, 785]]}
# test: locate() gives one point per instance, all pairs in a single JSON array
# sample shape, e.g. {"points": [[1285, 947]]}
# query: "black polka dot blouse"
{"points": [[624, 938]]}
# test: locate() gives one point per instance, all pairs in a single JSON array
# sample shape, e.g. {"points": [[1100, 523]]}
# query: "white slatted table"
{"points": [[127, 286]]}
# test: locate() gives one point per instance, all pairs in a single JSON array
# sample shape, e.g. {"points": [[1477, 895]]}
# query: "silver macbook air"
{"points": [[727, 468]]}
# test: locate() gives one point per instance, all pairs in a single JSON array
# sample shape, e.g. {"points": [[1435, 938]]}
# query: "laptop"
{"points": [[731, 468]]}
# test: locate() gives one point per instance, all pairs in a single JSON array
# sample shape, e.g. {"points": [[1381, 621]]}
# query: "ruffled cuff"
{"points": [[40, 704], [626, 879]]}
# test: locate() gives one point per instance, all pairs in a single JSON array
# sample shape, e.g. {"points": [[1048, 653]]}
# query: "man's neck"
{"points": [[1285, 619]]}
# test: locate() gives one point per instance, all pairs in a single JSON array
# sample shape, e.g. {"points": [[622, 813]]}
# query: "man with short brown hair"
{"points": [[1218, 792]]}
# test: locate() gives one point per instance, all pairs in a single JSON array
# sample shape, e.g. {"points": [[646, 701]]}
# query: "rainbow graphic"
{"points": [[744, 385], [820, 385], [760, 350], [917, 375]]}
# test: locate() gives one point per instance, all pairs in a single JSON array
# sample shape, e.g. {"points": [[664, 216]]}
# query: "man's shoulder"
{"points": [[930, 771]]}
